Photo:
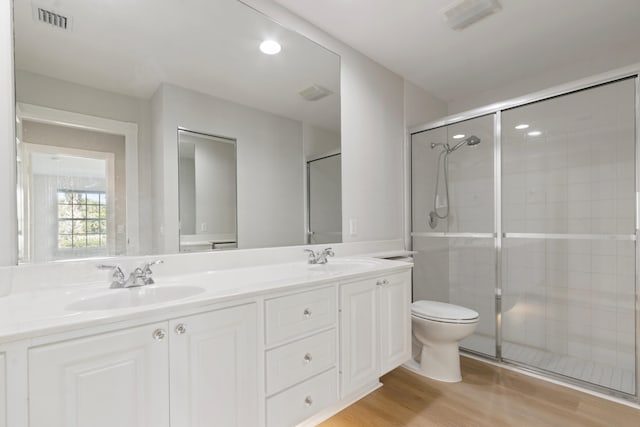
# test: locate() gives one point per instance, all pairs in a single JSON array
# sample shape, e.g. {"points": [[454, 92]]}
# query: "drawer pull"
{"points": [[159, 334], [308, 401], [385, 282], [181, 328], [379, 283], [307, 313], [307, 358]]}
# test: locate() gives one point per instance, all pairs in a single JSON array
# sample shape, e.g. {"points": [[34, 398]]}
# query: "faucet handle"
{"points": [[329, 252], [312, 256], [118, 277], [147, 267]]}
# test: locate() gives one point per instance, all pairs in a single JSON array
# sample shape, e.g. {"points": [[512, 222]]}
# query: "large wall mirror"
{"points": [[156, 127]]}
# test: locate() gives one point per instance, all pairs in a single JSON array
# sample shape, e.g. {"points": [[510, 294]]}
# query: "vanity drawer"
{"points": [[292, 363], [302, 401], [293, 315]]}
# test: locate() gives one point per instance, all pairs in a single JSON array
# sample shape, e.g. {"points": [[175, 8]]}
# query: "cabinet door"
{"points": [[358, 335], [214, 374], [113, 379], [395, 320]]}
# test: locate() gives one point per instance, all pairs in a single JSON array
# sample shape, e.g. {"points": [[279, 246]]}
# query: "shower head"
{"points": [[470, 141]]}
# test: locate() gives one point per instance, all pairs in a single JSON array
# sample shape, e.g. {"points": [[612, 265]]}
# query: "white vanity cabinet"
{"points": [[375, 329], [359, 330], [213, 370], [113, 379], [395, 320], [301, 376], [198, 370], [282, 356]]}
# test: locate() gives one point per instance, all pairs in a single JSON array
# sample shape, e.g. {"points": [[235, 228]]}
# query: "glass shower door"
{"points": [[453, 222], [569, 242]]}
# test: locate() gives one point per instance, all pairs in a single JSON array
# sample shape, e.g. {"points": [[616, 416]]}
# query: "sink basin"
{"points": [[133, 297], [342, 266]]}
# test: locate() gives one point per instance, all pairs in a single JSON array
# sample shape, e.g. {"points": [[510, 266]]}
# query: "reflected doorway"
{"points": [[324, 200]]}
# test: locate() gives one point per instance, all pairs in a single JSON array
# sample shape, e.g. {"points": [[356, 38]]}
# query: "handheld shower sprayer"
{"points": [[434, 215]]}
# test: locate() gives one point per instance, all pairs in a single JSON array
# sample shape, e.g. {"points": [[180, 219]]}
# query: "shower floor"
{"points": [[601, 374]]}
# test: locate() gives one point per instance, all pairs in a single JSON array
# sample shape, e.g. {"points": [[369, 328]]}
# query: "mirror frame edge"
{"points": [[9, 215]]}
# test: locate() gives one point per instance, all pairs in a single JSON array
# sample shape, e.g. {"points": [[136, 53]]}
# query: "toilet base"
{"points": [[441, 363]]}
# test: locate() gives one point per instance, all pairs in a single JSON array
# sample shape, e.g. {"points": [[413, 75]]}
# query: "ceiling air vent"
{"points": [[463, 13], [51, 18], [314, 92]]}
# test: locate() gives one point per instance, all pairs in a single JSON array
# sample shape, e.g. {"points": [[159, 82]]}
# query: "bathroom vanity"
{"points": [[274, 345]]}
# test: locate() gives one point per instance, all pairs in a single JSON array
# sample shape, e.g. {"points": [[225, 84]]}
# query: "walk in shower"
{"points": [[532, 221]]}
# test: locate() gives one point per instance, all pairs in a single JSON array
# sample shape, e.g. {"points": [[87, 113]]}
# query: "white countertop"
{"points": [[37, 313]]}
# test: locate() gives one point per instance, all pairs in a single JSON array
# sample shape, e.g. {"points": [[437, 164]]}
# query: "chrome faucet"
{"points": [[118, 278], [319, 257], [141, 276]]}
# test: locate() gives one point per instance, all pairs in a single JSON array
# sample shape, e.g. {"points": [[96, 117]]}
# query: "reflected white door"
{"points": [[325, 200]]}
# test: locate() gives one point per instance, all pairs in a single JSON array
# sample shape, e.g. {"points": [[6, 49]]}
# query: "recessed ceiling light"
{"points": [[270, 47], [459, 136], [535, 133], [522, 126]]}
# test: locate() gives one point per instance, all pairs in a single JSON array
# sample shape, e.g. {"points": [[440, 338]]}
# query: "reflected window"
{"points": [[82, 219]]}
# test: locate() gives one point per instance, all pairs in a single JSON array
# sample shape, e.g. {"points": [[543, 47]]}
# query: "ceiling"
{"points": [[523, 40], [210, 46]]}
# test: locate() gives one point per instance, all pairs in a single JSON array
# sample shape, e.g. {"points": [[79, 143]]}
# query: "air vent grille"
{"points": [[314, 92], [52, 18], [463, 13]]}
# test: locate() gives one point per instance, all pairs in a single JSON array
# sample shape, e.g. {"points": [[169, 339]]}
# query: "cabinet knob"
{"points": [[181, 328], [308, 401], [307, 358], [159, 334], [379, 283], [385, 282], [307, 312]]}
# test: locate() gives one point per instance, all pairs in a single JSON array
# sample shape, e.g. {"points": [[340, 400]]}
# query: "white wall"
{"points": [[319, 142], [53, 93], [605, 61], [420, 106], [270, 166]]}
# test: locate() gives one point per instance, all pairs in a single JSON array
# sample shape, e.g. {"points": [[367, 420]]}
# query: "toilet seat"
{"points": [[443, 312]]}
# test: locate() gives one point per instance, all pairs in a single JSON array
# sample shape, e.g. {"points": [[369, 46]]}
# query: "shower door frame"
{"points": [[496, 110]]}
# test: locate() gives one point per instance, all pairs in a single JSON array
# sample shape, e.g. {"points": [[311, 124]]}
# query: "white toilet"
{"points": [[438, 327]]}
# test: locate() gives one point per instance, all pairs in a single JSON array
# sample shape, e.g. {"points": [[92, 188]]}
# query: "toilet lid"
{"points": [[443, 312]]}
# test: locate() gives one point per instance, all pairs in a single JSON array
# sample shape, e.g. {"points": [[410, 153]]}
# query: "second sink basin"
{"points": [[133, 297]]}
